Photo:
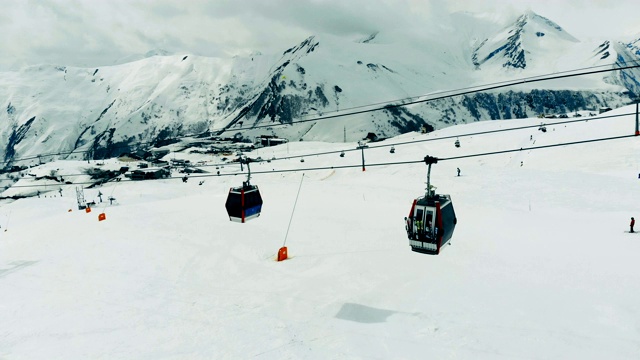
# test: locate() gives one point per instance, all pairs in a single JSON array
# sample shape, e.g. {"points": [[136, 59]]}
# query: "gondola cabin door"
{"points": [[423, 229]]}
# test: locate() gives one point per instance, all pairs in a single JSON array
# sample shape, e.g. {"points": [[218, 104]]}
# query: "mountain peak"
{"points": [[140, 56], [308, 45], [157, 52], [530, 33], [541, 22]]}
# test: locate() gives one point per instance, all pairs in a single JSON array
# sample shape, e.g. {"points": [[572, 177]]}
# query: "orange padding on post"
{"points": [[282, 253], [102, 216], [88, 209]]}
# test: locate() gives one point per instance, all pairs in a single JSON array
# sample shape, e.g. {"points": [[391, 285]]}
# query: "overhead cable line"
{"points": [[537, 147], [415, 97], [477, 133], [504, 130], [574, 120], [452, 94], [388, 105], [409, 162]]}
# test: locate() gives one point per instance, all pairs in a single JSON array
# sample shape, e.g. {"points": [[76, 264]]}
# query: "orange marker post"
{"points": [[282, 253]]}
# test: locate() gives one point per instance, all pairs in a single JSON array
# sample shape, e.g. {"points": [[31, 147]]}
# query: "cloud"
{"points": [[53, 30], [92, 33], [299, 19]]}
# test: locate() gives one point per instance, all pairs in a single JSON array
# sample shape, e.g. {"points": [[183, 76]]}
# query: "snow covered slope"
{"points": [[539, 267], [106, 111]]}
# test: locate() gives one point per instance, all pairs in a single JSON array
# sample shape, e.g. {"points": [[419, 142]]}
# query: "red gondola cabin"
{"points": [[430, 223]]}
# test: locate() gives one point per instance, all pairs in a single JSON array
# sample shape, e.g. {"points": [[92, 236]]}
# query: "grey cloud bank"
{"points": [[92, 33]]}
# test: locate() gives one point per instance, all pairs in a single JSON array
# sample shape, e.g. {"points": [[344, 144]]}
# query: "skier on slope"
{"points": [[633, 222]]}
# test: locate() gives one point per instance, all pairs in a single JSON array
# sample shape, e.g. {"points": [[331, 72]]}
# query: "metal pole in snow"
{"points": [[637, 127], [361, 146], [6, 227], [293, 211]]}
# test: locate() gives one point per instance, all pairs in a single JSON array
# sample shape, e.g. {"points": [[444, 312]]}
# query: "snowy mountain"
{"points": [[624, 54], [531, 38], [106, 111]]}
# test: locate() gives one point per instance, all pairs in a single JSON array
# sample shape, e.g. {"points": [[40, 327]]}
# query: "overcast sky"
{"points": [[101, 32]]}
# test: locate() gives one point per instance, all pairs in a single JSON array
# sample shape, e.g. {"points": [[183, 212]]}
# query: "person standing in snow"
{"points": [[633, 222], [458, 171]]}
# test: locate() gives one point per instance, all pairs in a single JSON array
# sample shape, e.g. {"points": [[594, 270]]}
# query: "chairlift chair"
{"points": [[457, 143], [392, 150]]}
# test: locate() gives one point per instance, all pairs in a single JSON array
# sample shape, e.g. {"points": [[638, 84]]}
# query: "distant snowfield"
{"points": [[540, 266]]}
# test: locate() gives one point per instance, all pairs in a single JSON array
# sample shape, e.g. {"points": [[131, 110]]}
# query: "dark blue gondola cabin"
{"points": [[244, 203], [430, 223]]}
